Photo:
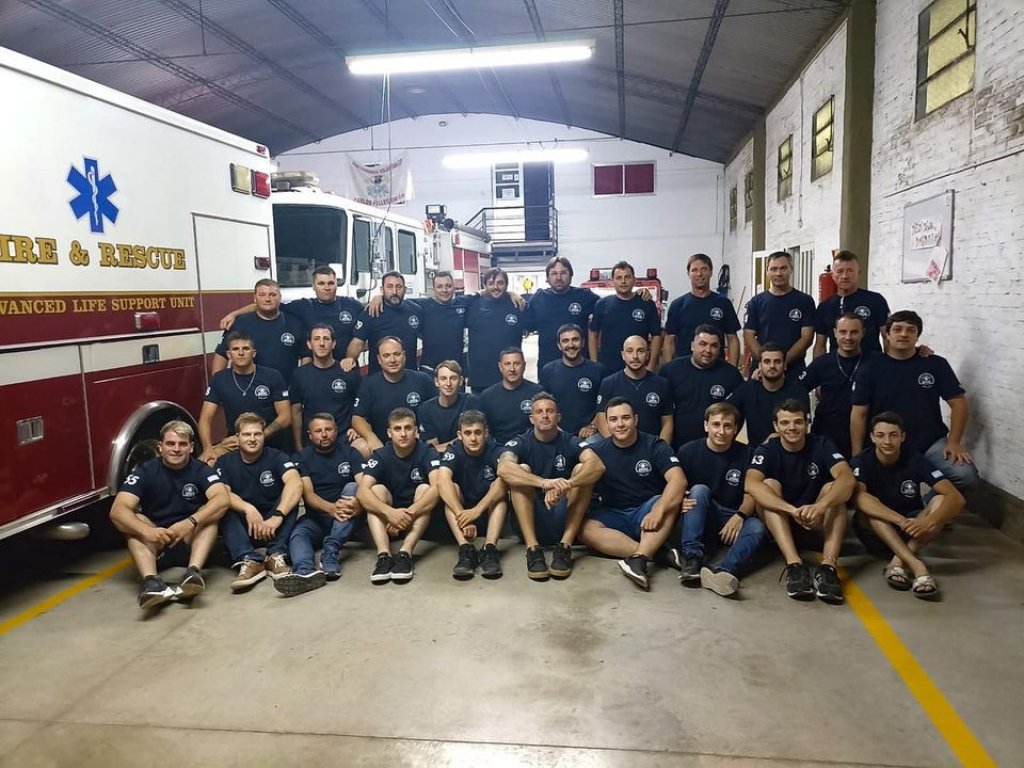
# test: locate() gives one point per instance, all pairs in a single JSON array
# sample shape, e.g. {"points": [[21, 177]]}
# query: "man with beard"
{"points": [[265, 489], [620, 316], [277, 335], [780, 315], [575, 382], [701, 306], [393, 386], [330, 470], [494, 323], [507, 403], [398, 490], [397, 319], [756, 398], [439, 416], [649, 394], [697, 381], [869, 306]]}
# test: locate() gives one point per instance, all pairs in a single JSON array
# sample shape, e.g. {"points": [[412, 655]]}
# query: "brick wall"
{"points": [[974, 146]]}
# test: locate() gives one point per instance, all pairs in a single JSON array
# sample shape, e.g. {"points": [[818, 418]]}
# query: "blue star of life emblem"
{"points": [[93, 194]]}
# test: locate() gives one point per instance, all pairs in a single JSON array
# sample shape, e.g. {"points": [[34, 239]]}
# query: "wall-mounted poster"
{"points": [[928, 239]]}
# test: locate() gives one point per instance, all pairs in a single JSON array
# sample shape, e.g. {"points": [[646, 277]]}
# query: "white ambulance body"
{"points": [[126, 233]]}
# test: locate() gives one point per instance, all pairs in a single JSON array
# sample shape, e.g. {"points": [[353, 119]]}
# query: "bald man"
{"points": [[650, 394]]}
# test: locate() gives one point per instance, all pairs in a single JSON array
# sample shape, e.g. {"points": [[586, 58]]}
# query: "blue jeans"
{"points": [[706, 519], [235, 531], [962, 475], [625, 521], [318, 529]]}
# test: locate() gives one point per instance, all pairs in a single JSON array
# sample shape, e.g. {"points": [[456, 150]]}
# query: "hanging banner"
{"points": [[382, 184]]}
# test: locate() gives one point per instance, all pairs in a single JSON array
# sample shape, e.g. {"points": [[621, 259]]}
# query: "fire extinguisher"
{"points": [[826, 285]]}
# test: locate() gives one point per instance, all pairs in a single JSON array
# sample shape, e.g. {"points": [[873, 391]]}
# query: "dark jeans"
{"points": [[318, 529], [235, 531], [705, 520]]}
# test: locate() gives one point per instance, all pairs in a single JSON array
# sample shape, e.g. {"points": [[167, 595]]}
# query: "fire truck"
{"points": [[600, 282]]}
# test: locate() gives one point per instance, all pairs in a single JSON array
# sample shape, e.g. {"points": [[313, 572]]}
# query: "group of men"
{"points": [[628, 445]]}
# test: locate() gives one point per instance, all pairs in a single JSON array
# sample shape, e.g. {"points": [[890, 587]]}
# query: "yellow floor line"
{"points": [[63, 595], [944, 717]]}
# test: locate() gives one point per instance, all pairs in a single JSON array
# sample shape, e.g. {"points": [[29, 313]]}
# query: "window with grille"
{"points": [[785, 172], [748, 197], [946, 39], [624, 179], [732, 209], [822, 127]]}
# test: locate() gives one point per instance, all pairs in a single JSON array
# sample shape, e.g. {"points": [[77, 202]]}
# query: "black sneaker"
{"points": [[382, 570], [689, 568], [673, 558], [154, 592], [466, 566], [561, 561], [536, 565], [827, 585], [296, 583], [798, 581], [191, 585], [490, 565], [401, 568], [635, 569]]}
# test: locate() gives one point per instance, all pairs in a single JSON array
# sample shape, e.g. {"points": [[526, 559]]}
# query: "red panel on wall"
{"points": [[607, 179], [640, 179]]}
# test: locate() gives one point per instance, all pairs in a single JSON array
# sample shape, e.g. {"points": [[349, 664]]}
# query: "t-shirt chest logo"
{"points": [[266, 478], [652, 399], [584, 385], [189, 491], [416, 476], [262, 392], [732, 477], [413, 398], [488, 473], [287, 339], [575, 308], [345, 317], [862, 312], [560, 462], [643, 468], [908, 488], [525, 406], [344, 468], [638, 315], [460, 311], [812, 470], [414, 321], [716, 313], [338, 386], [795, 314], [511, 319], [718, 391], [926, 380]]}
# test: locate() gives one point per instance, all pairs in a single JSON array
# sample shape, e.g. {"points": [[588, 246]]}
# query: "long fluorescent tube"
{"points": [[470, 58], [486, 159]]}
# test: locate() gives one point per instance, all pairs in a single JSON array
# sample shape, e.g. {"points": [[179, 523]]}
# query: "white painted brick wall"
{"points": [[974, 146], [736, 246]]}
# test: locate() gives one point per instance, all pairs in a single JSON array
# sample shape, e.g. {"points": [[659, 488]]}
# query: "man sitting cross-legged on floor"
{"points": [[265, 490], [640, 493], [330, 469], [797, 500], [398, 490], [551, 478], [474, 496], [716, 506], [890, 516]]}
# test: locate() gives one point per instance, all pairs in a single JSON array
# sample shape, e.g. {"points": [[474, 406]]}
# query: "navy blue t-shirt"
{"points": [[912, 388], [473, 474], [835, 375], [166, 495], [238, 393], [650, 397], [616, 320], [441, 423], [325, 390], [494, 325], [722, 472], [869, 306], [554, 459], [260, 483], [575, 389], [548, 311], [341, 314], [444, 330], [756, 404], [780, 319], [330, 471], [508, 410], [693, 390], [633, 474], [279, 342], [378, 397], [401, 475], [689, 311], [802, 474], [403, 322], [897, 486]]}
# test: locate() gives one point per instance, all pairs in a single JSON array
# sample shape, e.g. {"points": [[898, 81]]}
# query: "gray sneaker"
{"points": [[296, 583], [720, 582]]}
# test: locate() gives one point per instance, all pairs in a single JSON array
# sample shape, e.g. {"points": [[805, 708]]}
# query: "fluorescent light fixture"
{"points": [[470, 58], [487, 159]]}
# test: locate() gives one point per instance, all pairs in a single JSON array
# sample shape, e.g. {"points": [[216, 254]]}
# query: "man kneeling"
{"points": [[787, 480], [170, 500], [890, 516]]}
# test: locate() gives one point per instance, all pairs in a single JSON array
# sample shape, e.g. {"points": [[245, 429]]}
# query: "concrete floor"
{"points": [[586, 672]]}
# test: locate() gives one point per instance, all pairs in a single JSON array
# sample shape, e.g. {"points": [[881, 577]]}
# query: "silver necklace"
{"points": [[849, 376], [247, 386]]}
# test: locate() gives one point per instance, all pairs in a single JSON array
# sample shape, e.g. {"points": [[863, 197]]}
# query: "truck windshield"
{"points": [[307, 237]]}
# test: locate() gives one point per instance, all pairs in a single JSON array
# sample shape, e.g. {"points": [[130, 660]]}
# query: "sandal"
{"points": [[896, 576], [925, 587]]}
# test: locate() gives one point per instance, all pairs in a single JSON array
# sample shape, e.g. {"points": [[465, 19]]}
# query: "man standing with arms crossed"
{"points": [[782, 315], [701, 306]]}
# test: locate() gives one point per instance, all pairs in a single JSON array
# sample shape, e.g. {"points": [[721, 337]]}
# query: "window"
{"points": [[360, 247], [822, 131], [732, 209], [946, 38], [748, 197], [785, 174], [624, 179], [307, 237], [406, 252], [389, 250]]}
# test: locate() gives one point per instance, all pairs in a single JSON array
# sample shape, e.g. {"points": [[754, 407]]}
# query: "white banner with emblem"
{"points": [[382, 184]]}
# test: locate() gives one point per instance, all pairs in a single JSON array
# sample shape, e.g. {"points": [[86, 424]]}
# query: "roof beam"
{"points": [[620, 65], [698, 72], [556, 86], [652, 89]]}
